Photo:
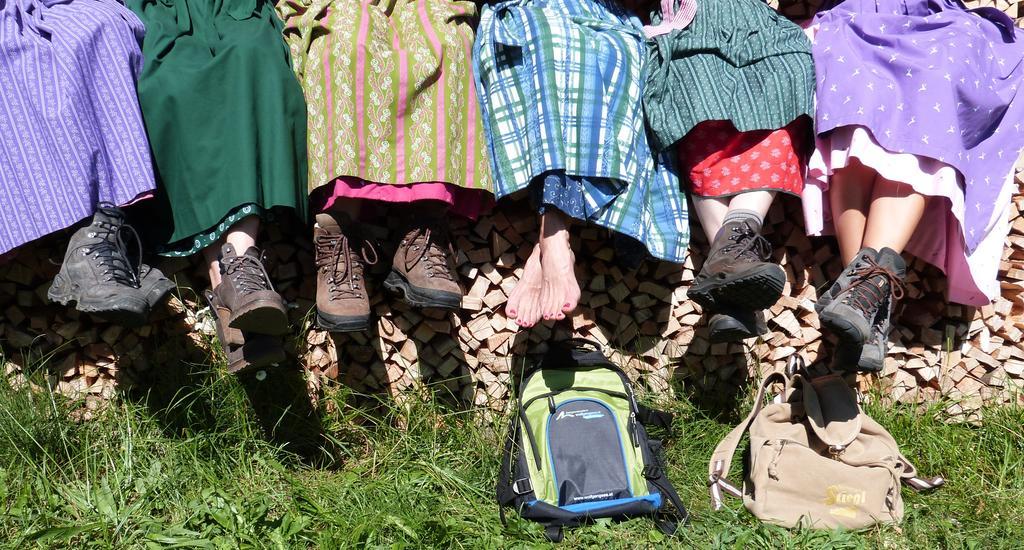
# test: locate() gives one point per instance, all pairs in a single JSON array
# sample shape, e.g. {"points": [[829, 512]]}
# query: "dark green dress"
{"points": [[225, 115], [739, 61]]}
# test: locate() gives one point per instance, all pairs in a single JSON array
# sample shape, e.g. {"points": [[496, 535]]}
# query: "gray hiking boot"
{"points": [[738, 271], [869, 357], [735, 325], [869, 300], [246, 291], [153, 284], [846, 277], [97, 274]]}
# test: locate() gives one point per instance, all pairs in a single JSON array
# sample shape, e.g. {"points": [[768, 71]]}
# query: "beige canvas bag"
{"points": [[815, 459]]}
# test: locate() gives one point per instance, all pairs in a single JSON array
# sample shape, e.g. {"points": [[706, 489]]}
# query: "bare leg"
{"points": [[561, 291], [849, 195], [754, 201], [896, 209], [710, 211], [242, 236]]}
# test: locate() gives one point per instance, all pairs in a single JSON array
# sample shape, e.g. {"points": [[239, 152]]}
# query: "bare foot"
{"points": [[561, 291], [522, 301]]}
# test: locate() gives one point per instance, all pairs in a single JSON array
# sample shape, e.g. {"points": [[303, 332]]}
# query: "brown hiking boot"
{"points": [[244, 352], [738, 272], [342, 304], [735, 325], [246, 291], [424, 268]]}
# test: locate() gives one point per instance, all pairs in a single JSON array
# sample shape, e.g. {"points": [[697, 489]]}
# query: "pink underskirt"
{"points": [[468, 203], [939, 240], [139, 198]]}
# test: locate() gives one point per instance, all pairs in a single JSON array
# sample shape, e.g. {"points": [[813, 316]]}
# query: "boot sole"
{"points": [[249, 364], [757, 289], [869, 366], [123, 313], [338, 323], [724, 332], [421, 297], [842, 326], [261, 318], [729, 333], [854, 361]]}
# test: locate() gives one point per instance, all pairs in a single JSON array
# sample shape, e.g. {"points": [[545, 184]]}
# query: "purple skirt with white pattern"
{"points": [[71, 133], [933, 79]]}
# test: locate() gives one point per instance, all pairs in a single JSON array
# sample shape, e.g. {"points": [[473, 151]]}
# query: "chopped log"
{"points": [[640, 315]]}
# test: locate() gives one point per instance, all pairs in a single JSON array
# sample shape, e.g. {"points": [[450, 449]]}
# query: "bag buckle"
{"points": [[717, 484], [652, 471], [835, 450], [522, 486]]}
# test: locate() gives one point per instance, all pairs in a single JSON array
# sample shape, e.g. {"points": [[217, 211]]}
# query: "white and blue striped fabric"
{"points": [[560, 83]]}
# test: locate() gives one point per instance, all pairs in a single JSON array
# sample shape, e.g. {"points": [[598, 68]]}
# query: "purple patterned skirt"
{"points": [[71, 133], [929, 78]]}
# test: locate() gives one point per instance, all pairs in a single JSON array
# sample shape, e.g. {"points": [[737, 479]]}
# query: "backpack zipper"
{"points": [[634, 437], [549, 394]]}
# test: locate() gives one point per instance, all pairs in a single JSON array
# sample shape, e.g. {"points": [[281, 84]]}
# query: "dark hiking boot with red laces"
{"points": [[868, 301], [246, 291], [424, 268], [243, 351], [735, 325], [869, 356], [98, 275], [845, 278], [737, 272], [342, 302]]}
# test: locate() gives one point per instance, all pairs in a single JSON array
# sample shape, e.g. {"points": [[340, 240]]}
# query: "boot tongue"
{"points": [[108, 214], [741, 225], [891, 260], [867, 252], [328, 223]]}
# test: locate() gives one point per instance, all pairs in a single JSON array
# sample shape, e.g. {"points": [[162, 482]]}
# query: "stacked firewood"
{"points": [[636, 308]]}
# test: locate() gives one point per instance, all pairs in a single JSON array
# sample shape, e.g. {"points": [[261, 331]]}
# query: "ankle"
{"points": [[740, 215]]}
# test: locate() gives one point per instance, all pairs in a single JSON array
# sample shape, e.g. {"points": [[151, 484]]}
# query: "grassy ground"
{"points": [[224, 464]]}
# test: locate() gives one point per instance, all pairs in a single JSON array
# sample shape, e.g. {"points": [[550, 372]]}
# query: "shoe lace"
{"points": [[247, 273], [334, 253], [111, 252], [431, 245], [874, 286], [747, 244]]}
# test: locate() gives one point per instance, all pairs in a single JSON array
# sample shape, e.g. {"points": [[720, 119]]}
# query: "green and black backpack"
{"points": [[577, 449]]}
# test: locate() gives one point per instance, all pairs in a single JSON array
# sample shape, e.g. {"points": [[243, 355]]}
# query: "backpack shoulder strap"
{"points": [[919, 484], [667, 521], [508, 490], [504, 489], [910, 478], [721, 459], [653, 417]]}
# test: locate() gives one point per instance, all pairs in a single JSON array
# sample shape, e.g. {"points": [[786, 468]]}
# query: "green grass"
{"points": [[222, 464]]}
